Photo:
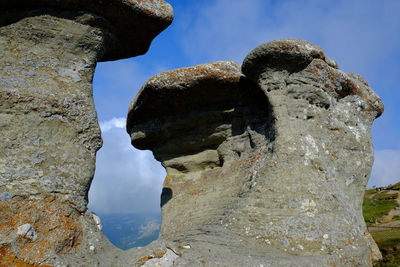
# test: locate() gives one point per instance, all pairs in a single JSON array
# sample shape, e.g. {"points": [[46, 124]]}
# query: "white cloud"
{"points": [[113, 123], [127, 180], [148, 229], [386, 168], [357, 33]]}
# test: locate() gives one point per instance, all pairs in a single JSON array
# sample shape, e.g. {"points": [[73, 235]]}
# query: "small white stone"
{"points": [[325, 236], [97, 221], [91, 248], [186, 246], [27, 231]]}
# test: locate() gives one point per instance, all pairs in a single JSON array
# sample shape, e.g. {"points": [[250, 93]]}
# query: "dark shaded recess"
{"points": [[187, 120], [166, 195], [130, 31], [346, 90]]}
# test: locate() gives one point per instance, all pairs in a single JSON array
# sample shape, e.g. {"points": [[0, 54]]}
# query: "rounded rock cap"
{"points": [[135, 23], [290, 54], [183, 90], [294, 55]]}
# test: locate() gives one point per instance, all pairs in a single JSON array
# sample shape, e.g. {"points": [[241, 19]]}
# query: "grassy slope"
{"points": [[376, 205]]}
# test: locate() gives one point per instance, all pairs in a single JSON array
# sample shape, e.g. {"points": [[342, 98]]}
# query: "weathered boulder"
{"points": [[264, 168], [127, 27], [323, 151], [48, 122]]}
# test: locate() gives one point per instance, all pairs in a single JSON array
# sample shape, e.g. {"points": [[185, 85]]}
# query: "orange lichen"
{"points": [[56, 225], [8, 259], [158, 253], [144, 259]]}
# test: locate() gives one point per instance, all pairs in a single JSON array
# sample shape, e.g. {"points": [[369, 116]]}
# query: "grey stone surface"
{"points": [[128, 27], [49, 127], [264, 168], [6, 196], [48, 122]]}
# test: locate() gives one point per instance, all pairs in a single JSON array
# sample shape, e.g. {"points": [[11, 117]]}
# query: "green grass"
{"points": [[395, 186], [377, 204], [388, 242], [374, 209], [387, 239], [396, 218], [385, 196], [389, 260]]}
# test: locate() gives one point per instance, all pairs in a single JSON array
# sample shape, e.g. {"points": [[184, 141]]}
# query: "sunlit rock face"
{"points": [[202, 123], [48, 122], [266, 163]]}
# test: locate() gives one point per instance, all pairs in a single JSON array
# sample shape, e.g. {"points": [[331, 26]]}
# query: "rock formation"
{"points": [[49, 128], [266, 162], [264, 168]]}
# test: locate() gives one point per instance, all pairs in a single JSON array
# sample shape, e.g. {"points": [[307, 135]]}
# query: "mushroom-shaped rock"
{"points": [[209, 126], [185, 115], [127, 27], [271, 172], [322, 153], [274, 61], [289, 54], [49, 128]]}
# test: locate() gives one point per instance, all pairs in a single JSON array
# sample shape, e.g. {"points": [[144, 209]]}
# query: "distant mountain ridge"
{"points": [[130, 230]]}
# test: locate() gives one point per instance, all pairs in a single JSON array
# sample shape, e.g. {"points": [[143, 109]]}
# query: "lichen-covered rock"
{"points": [[127, 27], [48, 122], [200, 122], [267, 167]]}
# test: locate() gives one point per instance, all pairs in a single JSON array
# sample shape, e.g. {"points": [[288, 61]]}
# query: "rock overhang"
{"points": [[294, 55], [132, 24], [208, 95], [166, 84]]}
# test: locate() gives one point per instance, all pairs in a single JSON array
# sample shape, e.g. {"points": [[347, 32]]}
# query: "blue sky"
{"points": [[363, 36]]}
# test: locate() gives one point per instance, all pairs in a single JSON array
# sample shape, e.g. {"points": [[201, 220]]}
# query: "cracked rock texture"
{"points": [[48, 122], [266, 162]]}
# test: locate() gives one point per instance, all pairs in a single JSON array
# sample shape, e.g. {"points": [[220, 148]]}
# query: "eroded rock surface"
{"points": [[48, 122], [264, 168]]}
